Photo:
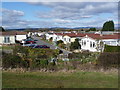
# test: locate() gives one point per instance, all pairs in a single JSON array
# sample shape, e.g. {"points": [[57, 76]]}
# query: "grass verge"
{"points": [[59, 80]]}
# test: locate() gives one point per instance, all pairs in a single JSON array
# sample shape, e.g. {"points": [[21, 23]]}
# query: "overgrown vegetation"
{"points": [[28, 57], [109, 59], [60, 43], [37, 59], [75, 45], [112, 48]]}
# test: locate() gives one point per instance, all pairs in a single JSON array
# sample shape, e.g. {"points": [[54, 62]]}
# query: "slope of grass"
{"points": [[59, 80], [112, 48], [6, 47]]}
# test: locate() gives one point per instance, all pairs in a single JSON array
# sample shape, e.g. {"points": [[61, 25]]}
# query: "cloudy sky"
{"points": [[57, 14]]}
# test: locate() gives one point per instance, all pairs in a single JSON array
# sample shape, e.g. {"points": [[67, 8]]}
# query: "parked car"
{"points": [[41, 46], [35, 40], [28, 41], [29, 45]]}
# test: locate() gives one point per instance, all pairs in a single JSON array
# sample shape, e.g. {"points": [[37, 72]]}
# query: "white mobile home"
{"points": [[7, 38], [20, 35]]}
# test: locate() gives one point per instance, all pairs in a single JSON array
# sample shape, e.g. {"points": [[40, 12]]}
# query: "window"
{"points": [[69, 40], [93, 44], [84, 42], [6, 39], [65, 39], [90, 44]]}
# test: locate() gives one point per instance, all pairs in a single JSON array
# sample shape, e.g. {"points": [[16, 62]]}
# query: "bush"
{"points": [[39, 63], [13, 61], [59, 42], [78, 55], [112, 48], [75, 45], [109, 59]]}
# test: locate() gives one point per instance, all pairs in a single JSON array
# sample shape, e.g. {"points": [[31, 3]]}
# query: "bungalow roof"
{"points": [[92, 35], [13, 33]]}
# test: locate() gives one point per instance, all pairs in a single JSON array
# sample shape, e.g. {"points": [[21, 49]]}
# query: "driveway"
{"points": [[41, 42]]}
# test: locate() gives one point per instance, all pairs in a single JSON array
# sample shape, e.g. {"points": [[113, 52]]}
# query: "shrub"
{"points": [[112, 48], [78, 55], [75, 45], [13, 61], [109, 59]]}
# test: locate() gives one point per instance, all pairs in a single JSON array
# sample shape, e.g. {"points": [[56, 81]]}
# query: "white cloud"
{"points": [[73, 10], [63, 15], [12, 18]]}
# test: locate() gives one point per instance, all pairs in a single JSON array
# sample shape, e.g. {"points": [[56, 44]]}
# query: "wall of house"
{"points": [[73, 39], [21, 37], [12, 40], [59, 37], [48, 36], [66, 39], [88, 44], [54, 37], [112, 42]]}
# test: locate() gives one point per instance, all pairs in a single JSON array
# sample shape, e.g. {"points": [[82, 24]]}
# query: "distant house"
{"points": [[10, 37], [20, 35], [70, 37], [112, 40], [88, 41], [7, 38], [96, 42], [90, 44], [34, 32], [54, 36]]}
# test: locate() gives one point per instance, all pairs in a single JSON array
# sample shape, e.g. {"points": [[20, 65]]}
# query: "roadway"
{"points": [[41, 42]]}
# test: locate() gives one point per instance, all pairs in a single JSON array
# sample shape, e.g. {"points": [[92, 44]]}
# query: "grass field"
{"points": [[6, 47], [59, 80]]}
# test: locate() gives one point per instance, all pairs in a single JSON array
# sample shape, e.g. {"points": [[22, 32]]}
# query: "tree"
{"points": [[2, 29], [59, 42], [51, 39], [108, 26], [75, 45], [92, 29], [12, 61]]}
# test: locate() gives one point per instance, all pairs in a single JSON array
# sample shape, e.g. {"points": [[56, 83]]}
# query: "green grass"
{"points": [[112, 48], [6, 47], [59, 80]]}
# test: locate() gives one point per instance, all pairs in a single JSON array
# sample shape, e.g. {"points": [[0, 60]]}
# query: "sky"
{"points": [[15, 15]]}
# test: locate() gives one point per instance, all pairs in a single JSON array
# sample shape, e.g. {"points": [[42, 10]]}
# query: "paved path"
{"points": [[41, 42]]}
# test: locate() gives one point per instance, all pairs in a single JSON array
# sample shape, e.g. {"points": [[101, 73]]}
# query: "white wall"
{"points": [[88, 44], [12, 40], [21, 37], [112, 42], [48, 36], [66, 39]]}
